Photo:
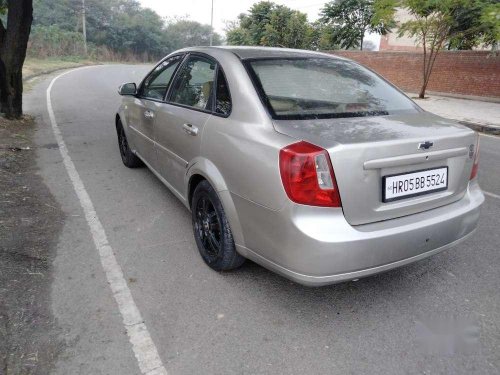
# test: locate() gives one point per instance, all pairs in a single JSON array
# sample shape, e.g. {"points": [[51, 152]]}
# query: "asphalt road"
{"points": [[250, 321]]}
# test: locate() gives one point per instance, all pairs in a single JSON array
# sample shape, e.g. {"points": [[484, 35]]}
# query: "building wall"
{"points": [[393, 42], [474, 73]]}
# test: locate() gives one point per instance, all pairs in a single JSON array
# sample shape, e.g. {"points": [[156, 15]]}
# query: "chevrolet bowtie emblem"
{"points": [[425, 145]]}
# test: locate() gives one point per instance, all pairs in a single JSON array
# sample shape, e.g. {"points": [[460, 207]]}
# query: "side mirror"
{"points": [[127, 89]]}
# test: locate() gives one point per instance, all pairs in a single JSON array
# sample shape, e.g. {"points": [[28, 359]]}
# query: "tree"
{"points": [[13, 43], [269, 24], [490, 19], [432, 25], [470, 28], [259, 16], [319, 37], [462, 24], [237, 35], [186, 33], [123, 27], [286, 28], [351, 19]]}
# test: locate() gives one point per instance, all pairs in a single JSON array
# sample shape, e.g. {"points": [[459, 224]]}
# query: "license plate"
{"points": [[412, 184]]}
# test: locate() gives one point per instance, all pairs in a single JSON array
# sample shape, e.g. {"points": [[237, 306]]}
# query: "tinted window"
{"points": [[194, 83], [222, 97], [323, 87], [156, 84]]}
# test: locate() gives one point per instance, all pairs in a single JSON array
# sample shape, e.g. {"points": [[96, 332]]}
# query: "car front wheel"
{"points": [[129, 159]]}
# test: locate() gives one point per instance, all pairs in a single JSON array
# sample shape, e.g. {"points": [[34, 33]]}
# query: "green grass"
{"points": [[34, 67]]}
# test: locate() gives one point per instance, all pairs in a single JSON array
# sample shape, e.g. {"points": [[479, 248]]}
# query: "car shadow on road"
{"points": [[397, 284], [418, 289], [388, 288]]}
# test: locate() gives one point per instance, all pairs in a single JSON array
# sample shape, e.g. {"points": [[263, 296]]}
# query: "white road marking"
{"points": [[487, 192], [143, 346], [491, 194]]}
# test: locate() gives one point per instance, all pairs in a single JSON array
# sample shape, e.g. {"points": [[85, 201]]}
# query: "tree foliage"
{"points": [[183, 32], [475, 22], [273, 25], [320, 37], [350, 20], [286, 28], [490, 20], [237, 35], [122, 26]]}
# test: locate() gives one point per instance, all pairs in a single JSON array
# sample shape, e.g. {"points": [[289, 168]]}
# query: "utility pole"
{"points": [[84, 28], [212, 23]]}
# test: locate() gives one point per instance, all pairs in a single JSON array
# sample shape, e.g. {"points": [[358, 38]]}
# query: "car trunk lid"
{"points": [[365, 149]]}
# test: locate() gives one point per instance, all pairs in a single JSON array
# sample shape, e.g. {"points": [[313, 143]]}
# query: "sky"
{"points": [[227, 10]]}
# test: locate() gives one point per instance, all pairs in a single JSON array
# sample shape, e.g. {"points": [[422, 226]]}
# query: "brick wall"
{"points": [[474, 73]]}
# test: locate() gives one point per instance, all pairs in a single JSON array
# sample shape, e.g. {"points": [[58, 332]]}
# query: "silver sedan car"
{"points": [[308, 164]]}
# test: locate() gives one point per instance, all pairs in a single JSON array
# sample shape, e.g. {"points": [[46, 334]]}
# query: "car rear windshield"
{"points": [[305, 88]]}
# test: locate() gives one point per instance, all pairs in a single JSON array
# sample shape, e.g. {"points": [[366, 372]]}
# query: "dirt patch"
{"points": [[30, 222]]}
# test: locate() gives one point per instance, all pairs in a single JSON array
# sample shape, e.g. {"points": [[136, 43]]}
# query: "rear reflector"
{"points": [[307, 175], [475, 166]]}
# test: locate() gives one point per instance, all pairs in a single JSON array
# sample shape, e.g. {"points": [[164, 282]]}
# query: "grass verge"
{"points": [[35, 67]]}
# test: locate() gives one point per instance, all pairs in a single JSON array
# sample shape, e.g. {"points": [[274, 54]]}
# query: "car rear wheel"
{"points": [[211, 230], [128, 157]]}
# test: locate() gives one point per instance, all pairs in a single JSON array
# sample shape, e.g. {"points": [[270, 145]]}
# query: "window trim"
{"points": [[141, 85], [267, 104], [219, 68], [214, 93]]}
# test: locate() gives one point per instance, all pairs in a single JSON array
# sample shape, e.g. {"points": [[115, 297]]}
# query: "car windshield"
{"points": [[307, 88]]}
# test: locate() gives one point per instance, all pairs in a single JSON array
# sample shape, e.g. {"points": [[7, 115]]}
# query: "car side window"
{"points": [[222, 97], [194, 83], [156, 84]]}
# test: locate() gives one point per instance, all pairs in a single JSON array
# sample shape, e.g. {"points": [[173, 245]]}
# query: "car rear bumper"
{"points": [[317, 246]]}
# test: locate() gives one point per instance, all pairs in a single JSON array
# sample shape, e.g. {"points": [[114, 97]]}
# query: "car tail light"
{"points": [[307, 175], [475, 166]]}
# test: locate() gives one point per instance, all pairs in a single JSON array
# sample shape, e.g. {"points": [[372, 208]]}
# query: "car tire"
{"points": [[211, 230], [128, 157]]}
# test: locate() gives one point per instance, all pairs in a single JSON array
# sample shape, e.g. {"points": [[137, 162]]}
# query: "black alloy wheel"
{"points": [[128, 157], [212, 233], [208, 226]]}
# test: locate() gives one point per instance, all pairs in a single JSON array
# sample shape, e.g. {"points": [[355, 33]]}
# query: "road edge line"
{"points": [[143, 346], [491, 194]]}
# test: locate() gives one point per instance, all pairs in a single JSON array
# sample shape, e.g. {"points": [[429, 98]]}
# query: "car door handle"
{"points": [[190, 129], [149, 114]]}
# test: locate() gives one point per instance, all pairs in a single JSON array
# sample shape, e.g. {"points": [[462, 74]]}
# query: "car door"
{"points": [[180, 121], [142, 112]]}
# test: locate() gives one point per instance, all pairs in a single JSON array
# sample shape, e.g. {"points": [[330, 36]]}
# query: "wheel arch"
{"points": [[203, 169], [120, 117]]}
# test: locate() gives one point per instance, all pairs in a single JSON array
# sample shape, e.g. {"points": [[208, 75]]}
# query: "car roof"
{"points": [[246, 52]]}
